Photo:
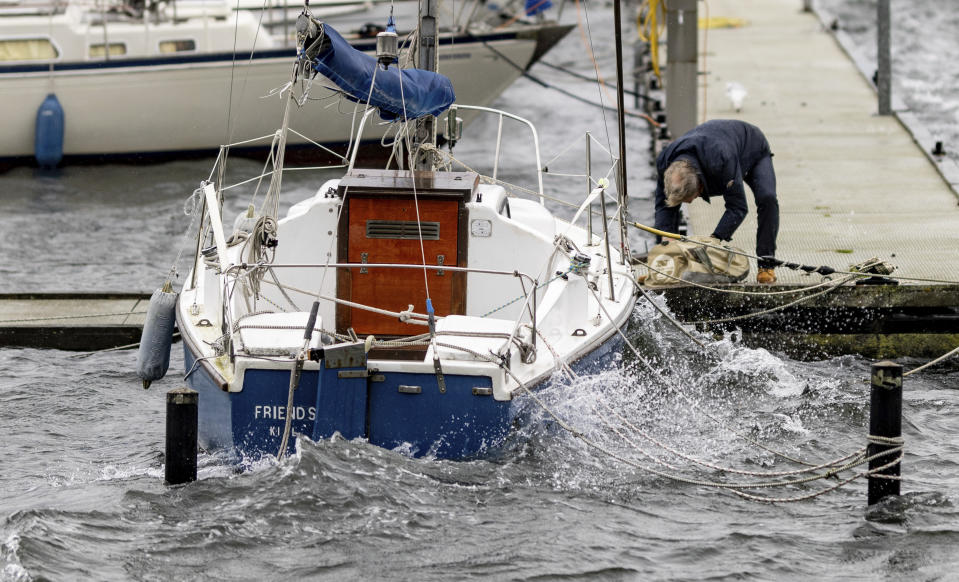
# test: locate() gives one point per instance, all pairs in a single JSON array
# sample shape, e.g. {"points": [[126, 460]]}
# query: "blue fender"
{"points": [[48, 144]]}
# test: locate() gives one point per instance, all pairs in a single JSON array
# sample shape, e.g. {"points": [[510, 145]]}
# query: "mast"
{"points": [[427, 58], [621, 117]]}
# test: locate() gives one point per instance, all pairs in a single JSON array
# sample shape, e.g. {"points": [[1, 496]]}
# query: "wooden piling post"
{"points": [[885, 423], [181, 435]]}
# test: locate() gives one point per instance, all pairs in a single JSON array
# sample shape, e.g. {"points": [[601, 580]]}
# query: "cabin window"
{"points": [[27, 49], [117, 49], [177, 46]]}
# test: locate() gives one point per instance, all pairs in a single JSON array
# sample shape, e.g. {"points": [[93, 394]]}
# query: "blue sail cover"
{"points": [[424, 92], [534, 7]]}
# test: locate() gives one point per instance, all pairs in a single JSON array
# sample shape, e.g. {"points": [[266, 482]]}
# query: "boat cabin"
{"points": [[415, 218]]}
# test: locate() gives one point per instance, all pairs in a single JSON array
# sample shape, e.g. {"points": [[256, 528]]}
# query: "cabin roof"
{"points": [[461, 185]]}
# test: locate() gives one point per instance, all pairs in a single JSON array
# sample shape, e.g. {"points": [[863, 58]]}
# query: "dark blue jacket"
{"points": [[722, 151]]}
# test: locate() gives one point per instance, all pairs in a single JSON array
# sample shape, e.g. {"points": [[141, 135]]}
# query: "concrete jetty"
{"points": [[72, 321], [852, 185]]}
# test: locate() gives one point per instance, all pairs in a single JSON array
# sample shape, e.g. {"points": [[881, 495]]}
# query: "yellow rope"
{"points": [[649, 29], [656, 231]]}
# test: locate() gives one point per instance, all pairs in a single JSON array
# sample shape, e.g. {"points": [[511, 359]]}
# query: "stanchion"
{"points": [[181, 435], [885, 429]]}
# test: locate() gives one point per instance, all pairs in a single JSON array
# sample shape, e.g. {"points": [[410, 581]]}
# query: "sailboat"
{"points": [[160, 81], [408, 306]]}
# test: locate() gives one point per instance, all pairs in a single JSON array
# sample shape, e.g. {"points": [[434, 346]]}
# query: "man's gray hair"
{"points": [[680, 182]]}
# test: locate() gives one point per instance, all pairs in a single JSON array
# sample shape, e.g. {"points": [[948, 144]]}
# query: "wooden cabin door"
{"points": [[384, 230]]}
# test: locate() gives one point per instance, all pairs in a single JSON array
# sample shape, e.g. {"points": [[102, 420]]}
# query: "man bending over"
{"points": [[715, 159]]}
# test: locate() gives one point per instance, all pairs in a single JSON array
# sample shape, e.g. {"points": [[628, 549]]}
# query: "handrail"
{"points": [[236, 270], [252, 266], [532, 128], [359, 136]]}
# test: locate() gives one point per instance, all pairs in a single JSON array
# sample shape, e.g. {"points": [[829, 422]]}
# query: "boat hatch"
{"points": [[390, 219]]}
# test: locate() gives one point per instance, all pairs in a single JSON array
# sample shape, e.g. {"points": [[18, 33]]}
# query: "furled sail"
{"points": [[397, 93]]}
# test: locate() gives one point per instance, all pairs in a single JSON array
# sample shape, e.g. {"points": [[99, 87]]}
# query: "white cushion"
{"points": [[462, 324], [276, 334]]}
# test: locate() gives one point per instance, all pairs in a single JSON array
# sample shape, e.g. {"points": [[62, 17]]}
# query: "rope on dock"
{"points": [[59, 317], [809, 269], [823, 283]]}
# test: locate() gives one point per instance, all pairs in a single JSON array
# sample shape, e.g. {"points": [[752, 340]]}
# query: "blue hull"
{"points": [[461, 423]]}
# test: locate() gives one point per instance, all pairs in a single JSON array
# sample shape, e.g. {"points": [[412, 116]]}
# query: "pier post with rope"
{"points": [[181, 436], [885, 430]]}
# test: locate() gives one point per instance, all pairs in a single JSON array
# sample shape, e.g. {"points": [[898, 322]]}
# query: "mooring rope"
{"points": [[932, 363], [58, 317], [838, 284], [737, 291], [691, 459], [832, 286], [680, 393], [736, 487], [809, 269], [669, 317], [833, 469]]}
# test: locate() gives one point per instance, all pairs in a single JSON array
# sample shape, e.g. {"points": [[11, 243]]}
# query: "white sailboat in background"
{"points": [[112, 82], [408, 308]]}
